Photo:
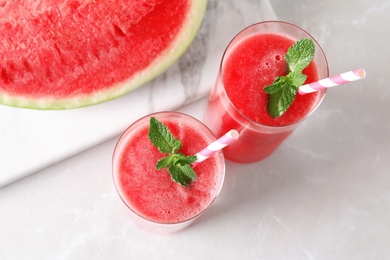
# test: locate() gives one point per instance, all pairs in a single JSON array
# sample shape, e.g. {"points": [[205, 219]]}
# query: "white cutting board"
{"points": [[31, 139]]}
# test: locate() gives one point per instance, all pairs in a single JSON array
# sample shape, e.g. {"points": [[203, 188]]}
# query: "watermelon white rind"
{"points": [[45, 100]]}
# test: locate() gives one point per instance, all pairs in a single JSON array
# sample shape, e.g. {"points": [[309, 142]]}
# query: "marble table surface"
{"points": [[324, 194]]}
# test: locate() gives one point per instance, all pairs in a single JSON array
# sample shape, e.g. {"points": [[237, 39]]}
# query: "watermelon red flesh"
{"points": [[67, 54]]}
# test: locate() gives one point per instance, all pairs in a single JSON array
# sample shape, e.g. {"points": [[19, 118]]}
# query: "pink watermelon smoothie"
{"points": [[238, 100], [151, 194]]}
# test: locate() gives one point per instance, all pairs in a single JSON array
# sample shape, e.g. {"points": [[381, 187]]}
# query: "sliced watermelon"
{"points": [[66, 54]]}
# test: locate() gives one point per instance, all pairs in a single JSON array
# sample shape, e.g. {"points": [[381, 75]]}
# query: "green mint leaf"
{"points": [[164, 162], [282, 92], [175, 159], [161, 137], [296, 79], [281, 100], [179, 165], [187, 171], [300, 54], [183, 160], [183, 174], [276, 85]]}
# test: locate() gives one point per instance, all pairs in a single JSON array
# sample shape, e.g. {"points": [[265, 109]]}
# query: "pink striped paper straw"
{"points": [[333, 81], [215, 146]]}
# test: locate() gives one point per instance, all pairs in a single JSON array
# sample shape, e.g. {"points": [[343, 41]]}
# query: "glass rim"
{"points": [[251, 121], [223, 169]]}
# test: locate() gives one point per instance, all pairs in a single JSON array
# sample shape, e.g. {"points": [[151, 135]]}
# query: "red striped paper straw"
{"points": [[333, 81], [215, 146]]}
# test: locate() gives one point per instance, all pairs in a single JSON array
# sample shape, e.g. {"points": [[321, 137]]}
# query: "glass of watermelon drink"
{"points": [[253, 60], [156, 202]]}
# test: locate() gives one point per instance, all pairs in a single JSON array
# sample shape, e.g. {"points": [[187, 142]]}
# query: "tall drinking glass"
{"points": [[157, 203], [253, 60]]}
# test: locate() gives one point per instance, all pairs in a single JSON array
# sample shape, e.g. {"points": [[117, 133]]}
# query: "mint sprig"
{"points": [[282, 92], [179, 165]]}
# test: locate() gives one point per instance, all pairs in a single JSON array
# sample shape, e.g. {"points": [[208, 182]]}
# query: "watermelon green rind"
{"points": [[177, 47]]}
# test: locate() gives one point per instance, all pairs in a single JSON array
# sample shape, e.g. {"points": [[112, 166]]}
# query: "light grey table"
{"points": [[324, 194]]}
